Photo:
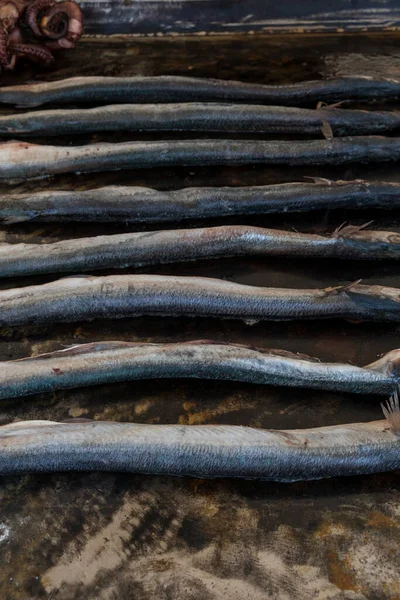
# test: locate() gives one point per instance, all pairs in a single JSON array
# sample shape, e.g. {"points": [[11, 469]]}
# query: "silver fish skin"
{"points": [[168, 246], [115, 296], [21, 160], [198, 116], [137, 204], [89, 364], [115, 90], [199, 451]]}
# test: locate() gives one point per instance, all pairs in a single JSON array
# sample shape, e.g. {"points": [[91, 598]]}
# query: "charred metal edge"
{"points": [[212, 16]]}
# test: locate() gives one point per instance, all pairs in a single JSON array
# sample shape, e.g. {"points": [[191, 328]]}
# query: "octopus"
{"points": [[35, 30]]}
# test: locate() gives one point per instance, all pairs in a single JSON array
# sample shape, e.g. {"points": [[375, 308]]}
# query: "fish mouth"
{"points": [[388, 364]]}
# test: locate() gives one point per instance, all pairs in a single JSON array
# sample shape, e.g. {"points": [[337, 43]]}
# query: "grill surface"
{"points": [[90, 536]]}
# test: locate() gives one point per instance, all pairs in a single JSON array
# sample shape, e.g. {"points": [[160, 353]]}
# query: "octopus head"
{"points": [[33, 29]]}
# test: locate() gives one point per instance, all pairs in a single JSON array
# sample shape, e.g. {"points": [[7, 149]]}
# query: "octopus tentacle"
{"points": [[33, 28], [32, 14], [40, 53], [15, 37], [4, 52], [63, 23], [7, 57]]}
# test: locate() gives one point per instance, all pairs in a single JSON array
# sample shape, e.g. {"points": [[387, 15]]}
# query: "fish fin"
{"points": [[251, 322], [391, 410], [77, 420], [27, 105], [77, 276], [340, 228], [15, 425], [325, 105], [288, 354], [346, 181], [4, 419], [268, 351], [327, 131], [320, 180], [345, 230], [81, 349], [14, 220], [338, 289]]}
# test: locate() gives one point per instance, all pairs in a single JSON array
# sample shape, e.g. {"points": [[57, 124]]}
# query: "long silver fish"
{"points": [[106, 90], [203, 451], [20, 160], [138, 204], [198, 117], [158, 247], [116, 296], [89, 364]]}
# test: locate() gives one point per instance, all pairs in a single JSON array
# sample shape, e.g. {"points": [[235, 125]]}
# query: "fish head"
{"points": [[388, 364]]}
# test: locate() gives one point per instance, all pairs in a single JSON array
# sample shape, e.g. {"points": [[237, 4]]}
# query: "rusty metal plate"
{"points": [[111, 536]]}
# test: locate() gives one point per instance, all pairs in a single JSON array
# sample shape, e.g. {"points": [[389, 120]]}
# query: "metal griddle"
{"points": [[91, 535]]}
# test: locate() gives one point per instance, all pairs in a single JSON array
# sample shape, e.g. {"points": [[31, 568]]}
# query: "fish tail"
{"points": [[321, 180], [391, 410]]}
